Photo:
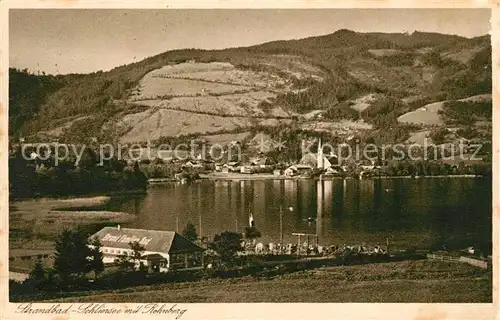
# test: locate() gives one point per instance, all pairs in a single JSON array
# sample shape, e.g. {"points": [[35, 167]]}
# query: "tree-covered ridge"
{"points": [[27, 93]]}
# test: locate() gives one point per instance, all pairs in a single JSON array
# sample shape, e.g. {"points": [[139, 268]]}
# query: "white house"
{"points": [[164, 250], [297, 169], [232, 166]]}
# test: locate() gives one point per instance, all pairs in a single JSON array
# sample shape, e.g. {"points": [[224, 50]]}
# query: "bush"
{"points": [[226, 245]]}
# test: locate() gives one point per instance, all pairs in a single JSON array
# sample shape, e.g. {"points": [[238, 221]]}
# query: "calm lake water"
{"points": [[455, 212]]}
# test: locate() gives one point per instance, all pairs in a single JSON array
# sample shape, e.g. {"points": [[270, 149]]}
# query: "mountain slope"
{"points": [[192, 91]]}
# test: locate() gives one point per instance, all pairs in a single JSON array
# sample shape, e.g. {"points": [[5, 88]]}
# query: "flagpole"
{"points": [[201, 233], [281, 224]]}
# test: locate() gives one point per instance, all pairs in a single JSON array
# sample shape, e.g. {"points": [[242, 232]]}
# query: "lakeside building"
{"points": [[232, 166], [261, 162], [164, 250], [298, 169]]}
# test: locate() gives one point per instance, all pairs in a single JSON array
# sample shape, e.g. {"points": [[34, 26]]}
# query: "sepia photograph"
{"points": [[165, 157]]}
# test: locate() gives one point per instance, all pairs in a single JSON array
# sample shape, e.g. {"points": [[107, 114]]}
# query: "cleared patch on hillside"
{"points": [[155, 123], [226, 138], [207, 98], [384, 52], [424, 50], [187, 79], [418, 137], [162, 122], [478, 98], [166, 88], [187, 67], [227, 105], [464, 55], [426, 115], [364, 102], [314, 114], [296, 66], [67, 123], [235, 76]]}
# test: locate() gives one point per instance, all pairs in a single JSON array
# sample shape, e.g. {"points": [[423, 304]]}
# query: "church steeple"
{"points": [[319, 160]]}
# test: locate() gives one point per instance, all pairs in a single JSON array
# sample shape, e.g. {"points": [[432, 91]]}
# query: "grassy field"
{"points": [[407, 281], [200, 98], [35, 224], [153, 125], [427, 115]]}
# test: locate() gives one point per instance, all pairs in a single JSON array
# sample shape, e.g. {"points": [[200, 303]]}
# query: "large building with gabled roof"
{"points": [[164, 250]]}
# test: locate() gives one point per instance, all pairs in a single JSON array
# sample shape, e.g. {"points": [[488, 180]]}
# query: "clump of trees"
{"points": [[465, 113], [321, 95], [434, 168], [384, 112], [29, 178], [468, 132], [404, 59], [438, 136], [226, 245], [75, 256], [341, 111]]}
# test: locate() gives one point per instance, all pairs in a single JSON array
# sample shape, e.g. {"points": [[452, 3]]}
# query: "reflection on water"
{"points": [[419, 212]]}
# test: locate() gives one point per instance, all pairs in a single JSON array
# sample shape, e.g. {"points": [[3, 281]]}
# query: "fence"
{"points": [[477, 263], [442, 258]]}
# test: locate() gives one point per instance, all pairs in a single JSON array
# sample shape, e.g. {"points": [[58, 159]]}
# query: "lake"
{"points": [[425, 213]]}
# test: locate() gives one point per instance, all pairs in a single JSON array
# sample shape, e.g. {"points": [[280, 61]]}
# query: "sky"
{"points": [[61, 41]]}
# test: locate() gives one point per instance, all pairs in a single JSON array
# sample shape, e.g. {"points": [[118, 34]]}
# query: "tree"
{"points": [[96, 264], [141, 179], [137, 250], [189, 232], [124, 262], [38, 272], [226, 245], [127, 261], [64, 254], [72, 254], [438, 136], [22, 176], [88, 159], [252, 233], [37, 275]]}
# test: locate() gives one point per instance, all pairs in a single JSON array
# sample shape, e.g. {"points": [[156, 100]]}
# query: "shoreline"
{"points": [[83, 195], [243, 176]]}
